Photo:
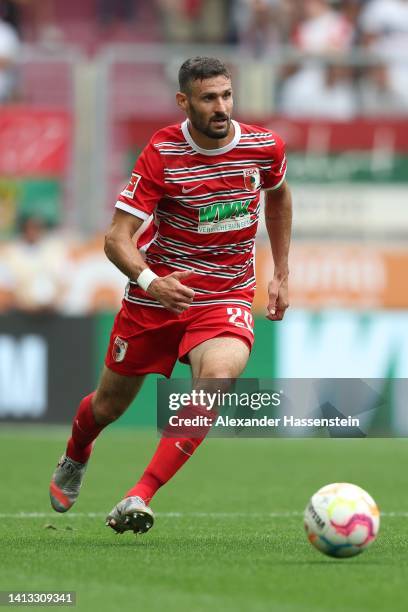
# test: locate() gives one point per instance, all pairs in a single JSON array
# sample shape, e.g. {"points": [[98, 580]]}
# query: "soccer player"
{"points": [[191, 276]]}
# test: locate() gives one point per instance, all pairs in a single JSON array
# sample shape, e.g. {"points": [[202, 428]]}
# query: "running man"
{"points": [[191, 277]]}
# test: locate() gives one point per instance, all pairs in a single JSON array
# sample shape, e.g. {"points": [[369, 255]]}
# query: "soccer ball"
{"points": [[341, 520]]}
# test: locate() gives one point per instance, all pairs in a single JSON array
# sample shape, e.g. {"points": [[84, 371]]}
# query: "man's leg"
{"points": [[221, 357], [97, 410]]}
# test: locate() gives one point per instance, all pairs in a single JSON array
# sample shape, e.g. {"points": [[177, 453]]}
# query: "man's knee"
{"points": [[219, 358], [212, 378], [211, 370]]}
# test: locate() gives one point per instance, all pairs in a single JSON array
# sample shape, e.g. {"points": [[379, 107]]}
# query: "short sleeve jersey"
{"points": [[205, 206]]}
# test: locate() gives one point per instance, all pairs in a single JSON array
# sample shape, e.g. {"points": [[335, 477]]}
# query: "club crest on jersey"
{"points": [[252, 179], [119, 349], [129, 192]]}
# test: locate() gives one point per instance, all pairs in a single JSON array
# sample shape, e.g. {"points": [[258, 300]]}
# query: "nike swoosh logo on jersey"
{"points": [[184, 190]]}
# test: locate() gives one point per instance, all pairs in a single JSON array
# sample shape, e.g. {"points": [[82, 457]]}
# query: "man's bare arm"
{"points": [[278, 220], [119, 245], [122, 252]]}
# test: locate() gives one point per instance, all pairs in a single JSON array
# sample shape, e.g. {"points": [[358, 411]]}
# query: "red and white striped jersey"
{"points": [[205, 207]]}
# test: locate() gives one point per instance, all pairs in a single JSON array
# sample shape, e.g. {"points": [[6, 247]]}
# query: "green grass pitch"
{"points": [[228, 533]]}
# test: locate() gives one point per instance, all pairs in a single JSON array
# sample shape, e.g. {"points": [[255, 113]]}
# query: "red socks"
{"points": [[171, 454], [84, 431]]}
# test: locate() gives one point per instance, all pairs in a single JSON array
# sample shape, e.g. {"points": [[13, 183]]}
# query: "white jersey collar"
{"points": [[231, 145]]}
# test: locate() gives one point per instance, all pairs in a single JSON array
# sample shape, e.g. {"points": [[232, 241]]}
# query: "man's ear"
{"points": [[181, 100]]}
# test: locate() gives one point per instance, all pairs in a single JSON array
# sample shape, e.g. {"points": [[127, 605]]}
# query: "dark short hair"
{"points": [[200, 68]]}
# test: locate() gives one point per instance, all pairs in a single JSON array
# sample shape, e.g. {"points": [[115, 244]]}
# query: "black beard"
{"points": [[216, 135], [206, 128]]}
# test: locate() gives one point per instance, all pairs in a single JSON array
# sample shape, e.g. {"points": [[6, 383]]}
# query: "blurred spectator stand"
{"points": [[9, 50], [324, 93], [384, 27], [256, 25], [314, 87], [37, 263], [193, 21]]}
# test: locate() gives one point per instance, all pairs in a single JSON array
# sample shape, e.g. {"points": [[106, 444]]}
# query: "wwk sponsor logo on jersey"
{"points": [[224, 217], [252, 178]]}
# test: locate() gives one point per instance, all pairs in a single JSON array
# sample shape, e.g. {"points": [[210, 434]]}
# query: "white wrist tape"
{"points": [[145, 278]]}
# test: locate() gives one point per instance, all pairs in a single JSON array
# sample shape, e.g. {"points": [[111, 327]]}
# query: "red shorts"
{"points": [[146, 340]]}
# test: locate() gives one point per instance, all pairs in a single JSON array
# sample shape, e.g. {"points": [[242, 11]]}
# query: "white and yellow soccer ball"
{"points": [[342, 520]]}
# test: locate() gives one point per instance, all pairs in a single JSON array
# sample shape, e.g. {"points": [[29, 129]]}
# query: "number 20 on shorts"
{"points": [[240, 318]]}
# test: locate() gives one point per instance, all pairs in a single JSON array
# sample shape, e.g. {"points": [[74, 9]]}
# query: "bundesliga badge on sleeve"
{"points": [[130, 190], [252, 179]]}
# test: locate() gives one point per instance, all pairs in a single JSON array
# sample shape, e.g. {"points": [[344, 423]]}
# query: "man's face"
{"points": [[209, 106]]}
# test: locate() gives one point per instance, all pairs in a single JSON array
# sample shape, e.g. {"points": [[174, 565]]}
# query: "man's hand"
{"points": [[278, 299], [171, 293]]}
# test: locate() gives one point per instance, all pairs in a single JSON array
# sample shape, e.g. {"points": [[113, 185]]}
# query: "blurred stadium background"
{"points": [[83, 84]]}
